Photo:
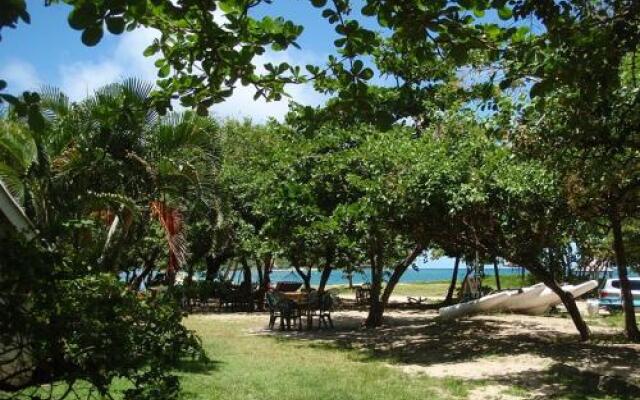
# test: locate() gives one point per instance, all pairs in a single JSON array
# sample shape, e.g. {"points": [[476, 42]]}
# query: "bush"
{"points": [[86, 328]]}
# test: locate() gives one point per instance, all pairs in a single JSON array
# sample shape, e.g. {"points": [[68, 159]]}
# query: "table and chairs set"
{"points": [[291, 307]]}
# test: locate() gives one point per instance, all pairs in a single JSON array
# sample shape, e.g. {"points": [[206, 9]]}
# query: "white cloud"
{"points": [[82, 78], [126, 60], [20, 76], [241, 103], [130, 49]]}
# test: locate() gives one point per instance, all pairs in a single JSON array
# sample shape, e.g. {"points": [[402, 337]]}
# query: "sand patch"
{"points": [[483, 368], [493, 392]]}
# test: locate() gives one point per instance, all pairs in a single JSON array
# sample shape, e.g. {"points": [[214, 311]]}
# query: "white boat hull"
{"points": [[548, 298], [524, 297], [534, 300], [485, 303]]}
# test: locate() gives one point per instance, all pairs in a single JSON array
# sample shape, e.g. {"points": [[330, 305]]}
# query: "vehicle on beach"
{"points": [[610, 297]]}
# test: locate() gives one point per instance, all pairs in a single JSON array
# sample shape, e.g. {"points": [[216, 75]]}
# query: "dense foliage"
{"points": [[97, 215], [445, 129]]}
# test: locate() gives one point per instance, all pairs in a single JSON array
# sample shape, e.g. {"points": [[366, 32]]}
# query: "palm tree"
{"points": [[112, 158]]}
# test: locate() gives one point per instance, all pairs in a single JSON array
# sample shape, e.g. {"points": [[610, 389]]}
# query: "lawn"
{"points": [[258, 366], [248, 362], [438, 289]]}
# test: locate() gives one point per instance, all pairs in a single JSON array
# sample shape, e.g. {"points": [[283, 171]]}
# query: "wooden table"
{"points": [[296, 296], [302, 301]]}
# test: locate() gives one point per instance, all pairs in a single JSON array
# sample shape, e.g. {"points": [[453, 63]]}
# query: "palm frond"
{"points": [[17, 147], [172, 222], [12, 181], [137, 87], [131, 93], [187, 130], [108, 201], [55, 103]]}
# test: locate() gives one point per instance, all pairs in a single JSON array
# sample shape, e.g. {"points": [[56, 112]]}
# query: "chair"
{"points": [[283, 308], [363, 294], [322, 304]]}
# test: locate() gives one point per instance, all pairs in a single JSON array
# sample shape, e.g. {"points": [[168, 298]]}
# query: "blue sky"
{"points": [[49, 52]]}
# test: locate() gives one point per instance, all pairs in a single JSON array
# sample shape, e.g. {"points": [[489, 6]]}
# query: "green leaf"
{"points": [[164, 71], [505, 13], [3, 84], [35, 119], [318, 3], [115, 25], [506, 83], [357, 66], [83, 17], [493, 31], [13, 100], [467, 4], [539, 89], [92, 35], [367, 74], [151, 50], [229, 6], [369, 10]]}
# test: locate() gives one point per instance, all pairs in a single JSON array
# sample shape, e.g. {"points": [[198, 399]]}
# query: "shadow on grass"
{"points": [[602, 367], [571, 383], [198, 366]]}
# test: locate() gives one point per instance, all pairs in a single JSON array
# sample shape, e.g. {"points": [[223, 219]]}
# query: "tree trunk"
{"points": [[631, 326], [188, 281], [265, 276], [246, 275], [567, 299], [324, 278], [496, 271], [454, 279], [374, 318], [264, 266], [350, 279], [214, 263], [398, 271], [259, 272], [149, 265], [306, 277]]}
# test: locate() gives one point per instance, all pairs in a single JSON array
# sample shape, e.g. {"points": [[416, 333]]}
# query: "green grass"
{"points": [[438, 289], [246, 366], [262, 367], [613, 320]]}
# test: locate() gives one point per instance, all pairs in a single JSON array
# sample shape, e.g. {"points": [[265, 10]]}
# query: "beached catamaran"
{"points": [[533, 300]]}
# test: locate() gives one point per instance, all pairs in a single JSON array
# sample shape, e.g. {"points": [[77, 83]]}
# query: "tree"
{"points": [[525, 219], [581, 119], [92, 188], [187, 30]]}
